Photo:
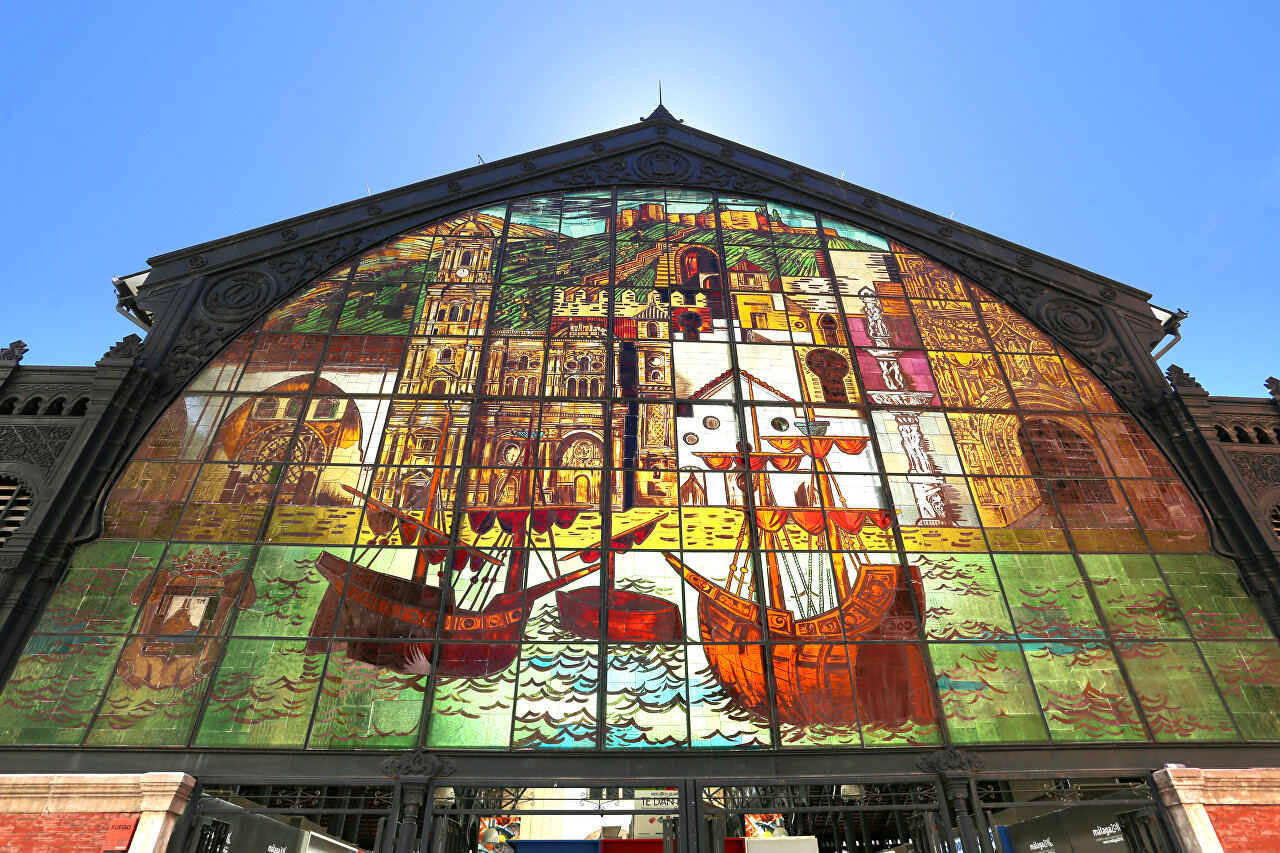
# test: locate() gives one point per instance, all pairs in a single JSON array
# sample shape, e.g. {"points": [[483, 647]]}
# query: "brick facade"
{"points": [[1247, 828], [74, 813], [81, 832], [1232, 811]]}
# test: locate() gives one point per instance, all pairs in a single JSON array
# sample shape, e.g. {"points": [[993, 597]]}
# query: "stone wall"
{"points": [[1232, 811], [74, 813]]}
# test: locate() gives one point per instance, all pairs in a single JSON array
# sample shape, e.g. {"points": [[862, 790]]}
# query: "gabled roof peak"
{"points": [[662, 113]]}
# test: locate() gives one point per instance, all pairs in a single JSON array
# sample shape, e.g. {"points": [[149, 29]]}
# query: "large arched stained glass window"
{"points": [[645, 468]]}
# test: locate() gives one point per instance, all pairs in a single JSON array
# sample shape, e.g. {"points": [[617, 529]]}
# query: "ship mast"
{"points": [[841, 572], [519, 559]]}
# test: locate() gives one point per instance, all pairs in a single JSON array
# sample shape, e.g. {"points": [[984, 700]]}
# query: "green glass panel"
{"points": [[472, 713], [1212, 598], [1082, 692], [556, 699], [648, 703], [102, 588], [1047, 596], [521, 310], [986, 693], [312, 312], [292, 596], [962, 597], [1176, 693], [375, 308], [799, 263], [263, 695], [366, 707], [54, 688], [1133, 597], [1248, 674], [156, 693], [584, 260]]}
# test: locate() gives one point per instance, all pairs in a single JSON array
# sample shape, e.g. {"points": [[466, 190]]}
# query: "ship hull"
{"points": [[397, 619], [633, 617], [813, 681], [818, 678]]}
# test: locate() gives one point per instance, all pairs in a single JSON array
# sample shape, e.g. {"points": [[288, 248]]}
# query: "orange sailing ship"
{"points": [[817, 677]]}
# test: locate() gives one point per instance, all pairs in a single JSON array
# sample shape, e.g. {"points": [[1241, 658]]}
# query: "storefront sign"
{"points": [[120, 834], [1079, 829]]}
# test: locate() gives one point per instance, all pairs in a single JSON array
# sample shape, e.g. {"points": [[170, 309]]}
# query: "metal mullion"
{"points": [[561, 811], [319, 810], [374, 467], [605, 498], [741, 409], [842, 809], [539, 402], [257, 544], [920, 640], [463, 480], [106, 687], [1017, 411], [1078, 559]]}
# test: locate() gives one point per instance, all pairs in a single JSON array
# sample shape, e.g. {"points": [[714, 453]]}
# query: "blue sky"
{"points": [[1137, 140]]}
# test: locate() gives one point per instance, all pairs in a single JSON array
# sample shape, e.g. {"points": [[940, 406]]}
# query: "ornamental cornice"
{"points": [[104, 792]]}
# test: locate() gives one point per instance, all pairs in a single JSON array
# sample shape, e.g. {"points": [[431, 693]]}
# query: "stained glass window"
{"points": [[645, 468]]}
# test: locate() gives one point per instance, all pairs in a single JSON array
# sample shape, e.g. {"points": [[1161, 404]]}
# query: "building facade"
{"points": [[646, 480]]}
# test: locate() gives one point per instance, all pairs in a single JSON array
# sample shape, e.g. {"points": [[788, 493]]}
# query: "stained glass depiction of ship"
{"points": [[478, 628], [814, 610]]}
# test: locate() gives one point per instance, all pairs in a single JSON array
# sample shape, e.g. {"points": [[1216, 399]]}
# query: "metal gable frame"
{"points": [[203, 296]]}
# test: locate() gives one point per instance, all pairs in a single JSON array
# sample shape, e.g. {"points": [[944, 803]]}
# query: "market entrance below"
{"points": [[559, 819], [920, 814]]}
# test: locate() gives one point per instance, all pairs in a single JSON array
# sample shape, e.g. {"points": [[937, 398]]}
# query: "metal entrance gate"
{"points": [[849, 815], [920, 814]]}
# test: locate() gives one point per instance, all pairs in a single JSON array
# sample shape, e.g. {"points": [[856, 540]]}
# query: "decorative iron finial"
{"points": [[661, 112], [13, 352], [1175, 320]]}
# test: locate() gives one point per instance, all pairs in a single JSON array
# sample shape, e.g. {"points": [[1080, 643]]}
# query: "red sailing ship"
{"points": [[817, 677], [630, 617], [400, 623]]}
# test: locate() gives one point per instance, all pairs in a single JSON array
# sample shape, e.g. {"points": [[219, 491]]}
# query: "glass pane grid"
{"points": [[645, 469]]}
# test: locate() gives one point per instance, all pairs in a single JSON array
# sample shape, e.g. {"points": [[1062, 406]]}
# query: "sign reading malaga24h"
{"points": [[644, 468]]}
